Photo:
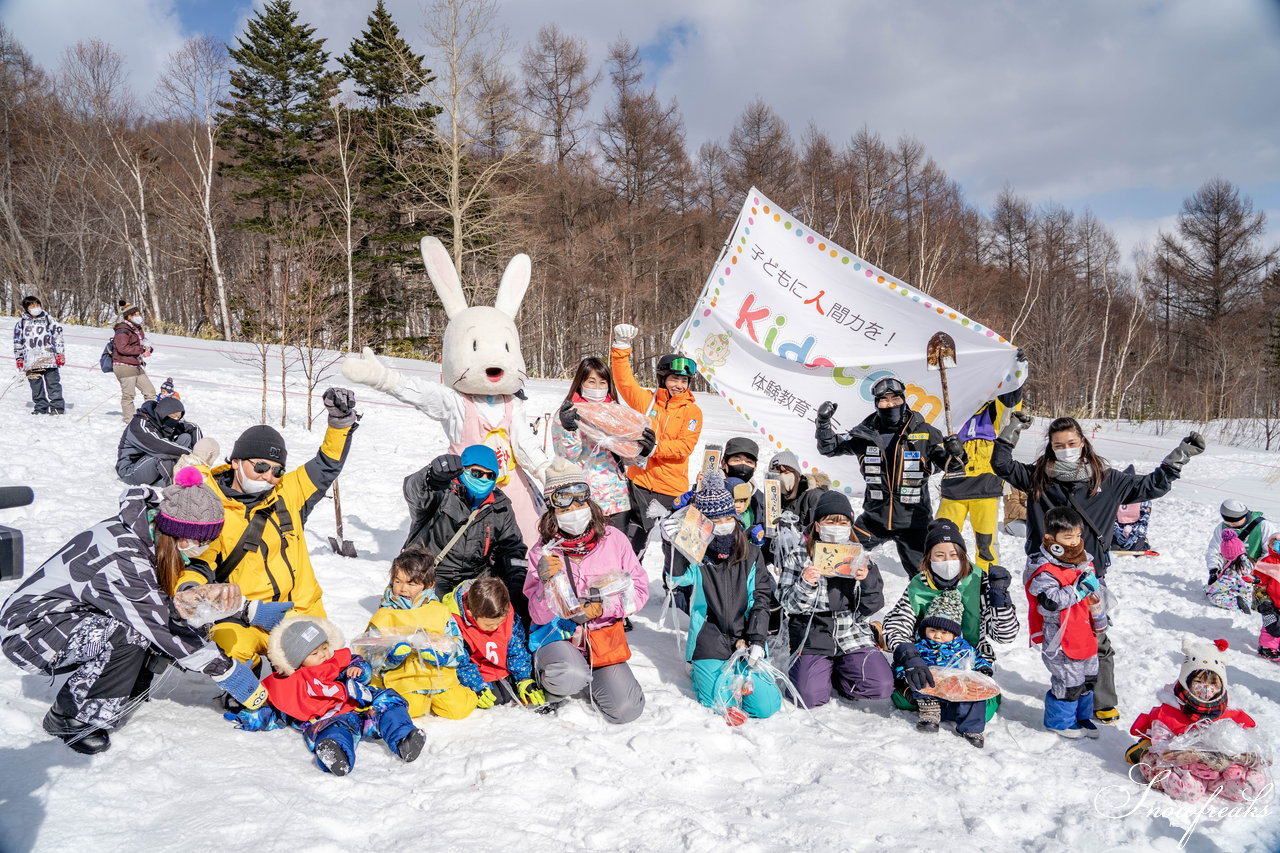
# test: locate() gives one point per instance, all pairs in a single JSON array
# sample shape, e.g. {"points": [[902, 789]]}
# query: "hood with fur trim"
{"points": [[275, 652]]}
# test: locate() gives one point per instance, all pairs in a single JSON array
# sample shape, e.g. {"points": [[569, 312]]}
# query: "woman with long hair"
{"points": [[1070, 473]]}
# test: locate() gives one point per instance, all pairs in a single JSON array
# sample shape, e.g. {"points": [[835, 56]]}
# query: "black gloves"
{"points": [[647, 442], [340, 403], [1192, 445], [1017, 422], [444, 469], [824, 432], [998, 580], [568, 416], [914, 670]]}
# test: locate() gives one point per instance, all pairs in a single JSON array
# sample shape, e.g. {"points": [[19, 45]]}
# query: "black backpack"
{"points": [[108, 356]]}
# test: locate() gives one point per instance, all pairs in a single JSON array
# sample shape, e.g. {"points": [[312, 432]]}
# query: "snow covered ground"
{"points": [[848, 776]]}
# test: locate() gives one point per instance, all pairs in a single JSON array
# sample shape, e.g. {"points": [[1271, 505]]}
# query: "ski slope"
{"points": [[846, 776]]}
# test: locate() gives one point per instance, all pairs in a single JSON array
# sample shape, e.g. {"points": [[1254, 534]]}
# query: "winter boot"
{"points": [[1060, 717], [333, 757], [930, 715], [877, 631], [976, 738], [410, 745], [81, 737]]}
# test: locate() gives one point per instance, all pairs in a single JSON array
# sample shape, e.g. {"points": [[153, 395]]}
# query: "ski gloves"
{"points": [[1018, 421], [1192, 445], [444, 469], [998, 580], [824, 431], [340, 403], [914, 670], [1086, 585], [623, 335], [568, 416]]}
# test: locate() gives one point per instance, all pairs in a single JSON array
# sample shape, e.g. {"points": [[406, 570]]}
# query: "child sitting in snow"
{"points": [[1231, 586], [1060, 583], [497, 666], [426, 678], [1267, 574], [1197, 700], [942, 646], [1130, 529], [322, 689]]}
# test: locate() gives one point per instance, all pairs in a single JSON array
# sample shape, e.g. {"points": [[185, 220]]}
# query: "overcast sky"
{"points": [[1121, 107]]}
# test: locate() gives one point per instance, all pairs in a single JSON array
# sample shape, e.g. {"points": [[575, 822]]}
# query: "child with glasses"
{"points": [[459, 514], [586, 654]]}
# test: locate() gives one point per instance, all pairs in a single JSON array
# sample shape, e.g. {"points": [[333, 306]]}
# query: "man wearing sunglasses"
{"points": [[458, 513], [676, 421], [262, 547]]}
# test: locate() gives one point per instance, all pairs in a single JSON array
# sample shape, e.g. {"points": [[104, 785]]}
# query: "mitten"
{"points": [[60, 359], [756, 535], [266, 614], [1018, 421], [242, 685], [340, 403], [529, 693], [568, 416], [623, 335], [1192, 445], [1086, 585], [485, 698], [398, 654], [998, 580], [368, 370]]}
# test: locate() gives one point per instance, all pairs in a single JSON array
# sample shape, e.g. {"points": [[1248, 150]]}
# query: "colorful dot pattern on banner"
{"points": [[879, 277]]}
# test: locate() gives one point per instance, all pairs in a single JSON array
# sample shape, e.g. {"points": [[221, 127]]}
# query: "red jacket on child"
{"points": [[1179, 720], [312, 692]]}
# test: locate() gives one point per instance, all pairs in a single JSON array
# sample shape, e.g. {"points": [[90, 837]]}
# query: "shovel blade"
{"points": [[941, 352], [345, 548]]}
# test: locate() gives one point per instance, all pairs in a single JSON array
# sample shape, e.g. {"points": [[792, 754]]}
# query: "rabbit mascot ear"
{"points": [[481, 345]]}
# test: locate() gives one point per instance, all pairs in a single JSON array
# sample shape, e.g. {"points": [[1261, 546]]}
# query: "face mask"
{"points": [[946, 570], [35, 310], [136, 319], [788, 480], [890, 417], [595, 395], [194, 550], [576, 522], [834, 534], [250, 486], [1205, 691], [477, 488], [724, 528], [742, 472], [1068, 455]]}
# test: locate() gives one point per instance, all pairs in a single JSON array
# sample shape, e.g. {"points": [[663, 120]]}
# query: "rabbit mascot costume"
{"points": [[483, 370]]}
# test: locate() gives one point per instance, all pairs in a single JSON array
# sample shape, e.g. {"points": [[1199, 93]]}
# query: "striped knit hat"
{"points": [[713, 499], [189, 509]]}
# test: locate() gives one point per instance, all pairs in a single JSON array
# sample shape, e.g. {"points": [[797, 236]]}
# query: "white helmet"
{"points": [[1233, 510]]}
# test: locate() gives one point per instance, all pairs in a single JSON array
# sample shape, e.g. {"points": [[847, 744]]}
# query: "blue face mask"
{"points": [[478, 489], [1275, 547]]}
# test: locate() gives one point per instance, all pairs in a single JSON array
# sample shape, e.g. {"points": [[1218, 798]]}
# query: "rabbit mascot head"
{"points": [[481, 345]]}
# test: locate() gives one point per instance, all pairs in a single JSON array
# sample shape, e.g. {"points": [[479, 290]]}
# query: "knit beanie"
{"points": [[833, 503], [1232, 510], [129, 310], [169, 406], [299, 638], [713, 499], [945, 612], [260, 442], [1203, 655], [784, 459], [189, 509], [166, 388], [943, 530], [561, 472], [734, 446], [1232, 547]]}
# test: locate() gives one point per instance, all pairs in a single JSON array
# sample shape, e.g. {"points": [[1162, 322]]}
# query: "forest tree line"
{"points": [[274, 190]]}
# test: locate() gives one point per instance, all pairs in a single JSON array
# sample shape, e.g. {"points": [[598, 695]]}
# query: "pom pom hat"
{"points": [[1203, 655], [713, 499], [189, 509], [1232, 547]]}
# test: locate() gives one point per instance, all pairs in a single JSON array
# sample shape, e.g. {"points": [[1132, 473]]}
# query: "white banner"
{"points": [[789, 319]]}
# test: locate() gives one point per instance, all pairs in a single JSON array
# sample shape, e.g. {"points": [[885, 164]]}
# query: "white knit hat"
{"points": [[561, 472], [1203, 655]]}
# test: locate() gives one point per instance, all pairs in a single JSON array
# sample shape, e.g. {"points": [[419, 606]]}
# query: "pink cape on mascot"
{"points": [[483, 371]]}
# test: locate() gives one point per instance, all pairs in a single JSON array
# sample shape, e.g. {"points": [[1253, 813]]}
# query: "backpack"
{"points": [[108, 356]]}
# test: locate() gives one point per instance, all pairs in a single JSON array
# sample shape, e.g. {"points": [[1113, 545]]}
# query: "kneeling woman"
{"points": [[589, 658], [827, 616], [729, 602], [100, 609]]}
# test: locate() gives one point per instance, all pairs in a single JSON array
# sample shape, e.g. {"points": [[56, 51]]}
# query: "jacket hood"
{"points": [[136, 505], [275, 652]]}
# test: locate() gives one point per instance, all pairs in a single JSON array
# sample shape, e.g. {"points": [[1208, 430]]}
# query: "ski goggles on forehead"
{"points": [[482, 473], [567, 496], [684, 366], [264, 467]]}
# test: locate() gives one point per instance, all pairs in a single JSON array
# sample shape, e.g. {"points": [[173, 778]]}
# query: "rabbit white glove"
{"points": [[367, 370], [623, 334]]}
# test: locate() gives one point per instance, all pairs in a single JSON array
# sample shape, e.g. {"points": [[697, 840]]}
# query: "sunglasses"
{"points": [[565, 497], [482, 473], [685, 366], [264, 467]]}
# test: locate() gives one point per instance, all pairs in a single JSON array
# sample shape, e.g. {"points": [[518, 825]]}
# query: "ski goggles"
{"points": [[683, 366], [482, 473], [566, 496], [264, 467]]}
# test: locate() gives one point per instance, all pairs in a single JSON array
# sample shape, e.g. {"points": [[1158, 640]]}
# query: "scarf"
{"points": [[1078, 473], [1198, 709], [403, 602], [580, 546], [722, 545]]}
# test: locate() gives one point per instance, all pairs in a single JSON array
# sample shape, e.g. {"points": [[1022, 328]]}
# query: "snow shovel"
{"points": [[338, 544], [941, 354]]}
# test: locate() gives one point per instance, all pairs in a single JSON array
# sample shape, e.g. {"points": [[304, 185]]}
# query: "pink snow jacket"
{"points": [[612, 554]]}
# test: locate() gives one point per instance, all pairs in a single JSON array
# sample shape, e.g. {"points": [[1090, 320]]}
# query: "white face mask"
{"points": [[595, 395], [1068, 455], [834, 534], [35, 310], [250, 486], [136, 319], [195, 549], [724, 528], [945, 569], [788, 480], [575, 522]]}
